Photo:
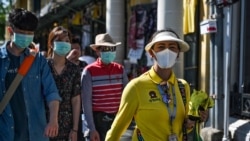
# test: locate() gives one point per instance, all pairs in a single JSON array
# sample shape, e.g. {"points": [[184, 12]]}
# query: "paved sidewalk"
{"points": [[239, 130], [127, 136]]}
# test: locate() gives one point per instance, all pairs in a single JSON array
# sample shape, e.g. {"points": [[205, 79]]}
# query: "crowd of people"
{"points": [[46, 101]]}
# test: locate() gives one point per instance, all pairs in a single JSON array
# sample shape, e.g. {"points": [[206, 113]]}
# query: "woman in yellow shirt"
{"points": [[154, 99]]}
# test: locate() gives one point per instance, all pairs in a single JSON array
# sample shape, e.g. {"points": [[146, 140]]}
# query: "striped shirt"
{"points": [[102, 86], [106, 89]]}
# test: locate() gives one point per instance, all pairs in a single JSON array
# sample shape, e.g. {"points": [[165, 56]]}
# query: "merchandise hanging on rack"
{"points": [[142, 24]]}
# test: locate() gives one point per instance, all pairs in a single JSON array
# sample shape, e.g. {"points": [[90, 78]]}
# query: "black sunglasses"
{"points": [[106, 48]]}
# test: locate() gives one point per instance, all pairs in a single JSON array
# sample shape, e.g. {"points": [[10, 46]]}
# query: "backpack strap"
{"points": [[22, 71], [184, 99], [139, 136], [182, 90]]}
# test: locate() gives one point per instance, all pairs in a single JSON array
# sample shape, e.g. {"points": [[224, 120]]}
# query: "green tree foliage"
{"points": [[2, 22]]}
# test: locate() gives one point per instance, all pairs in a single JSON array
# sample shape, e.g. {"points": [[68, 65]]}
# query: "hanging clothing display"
{"points": [[151, 24], [141, 18], [76, 19], [189, 7], [132, 30], [142, 24], [137, 24]]}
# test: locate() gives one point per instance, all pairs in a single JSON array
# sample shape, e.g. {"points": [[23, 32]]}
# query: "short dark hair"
{"points": [[23, 19]]}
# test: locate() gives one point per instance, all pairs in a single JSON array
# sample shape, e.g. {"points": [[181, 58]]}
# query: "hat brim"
{"points": [[94, 46], [183, 45]]}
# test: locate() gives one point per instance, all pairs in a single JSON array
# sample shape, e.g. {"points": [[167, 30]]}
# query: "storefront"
{"points": [[241, 97]]}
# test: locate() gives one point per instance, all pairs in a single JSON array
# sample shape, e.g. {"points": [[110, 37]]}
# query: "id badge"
{"points": [[172, 137]]}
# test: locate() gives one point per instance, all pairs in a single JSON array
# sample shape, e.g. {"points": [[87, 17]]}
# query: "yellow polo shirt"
{"points": [[142, 101]]}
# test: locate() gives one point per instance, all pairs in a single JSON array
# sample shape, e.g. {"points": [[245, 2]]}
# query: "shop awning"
{"points": [[50, 15]]}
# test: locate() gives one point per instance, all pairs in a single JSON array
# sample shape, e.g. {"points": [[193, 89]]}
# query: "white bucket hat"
{"points": [[103, 40], [168, 36]]}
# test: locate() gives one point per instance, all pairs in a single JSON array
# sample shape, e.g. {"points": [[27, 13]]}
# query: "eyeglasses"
{"points": [[107, 48]]}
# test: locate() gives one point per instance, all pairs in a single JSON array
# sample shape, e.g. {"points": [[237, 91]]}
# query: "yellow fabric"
{"points": [[96, 13], [140, 2], [77, 18], [65, 23], [142, 101], [189, 16]]}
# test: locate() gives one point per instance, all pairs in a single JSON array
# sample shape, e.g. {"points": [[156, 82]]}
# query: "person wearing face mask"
{"points": [[67, 76], [154, 99], [24, 118], [102, 84]]}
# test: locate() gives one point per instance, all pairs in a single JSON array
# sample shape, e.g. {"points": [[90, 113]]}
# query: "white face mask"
{"points": [[165, 59]]}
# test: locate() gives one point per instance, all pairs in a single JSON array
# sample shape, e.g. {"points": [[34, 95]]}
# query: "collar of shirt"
{"points": [[3, 50], [156, 78]]}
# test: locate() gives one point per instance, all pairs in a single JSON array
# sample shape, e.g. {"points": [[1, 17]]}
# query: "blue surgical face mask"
{"points": [[108, 57], [22, 40], [62, 48]]}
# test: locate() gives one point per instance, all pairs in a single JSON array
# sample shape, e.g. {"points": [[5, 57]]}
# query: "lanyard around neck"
{"points": [[166, 99]]}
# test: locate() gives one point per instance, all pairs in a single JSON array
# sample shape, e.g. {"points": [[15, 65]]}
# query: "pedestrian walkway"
{"points": [[127, 136], [239, 129]]}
